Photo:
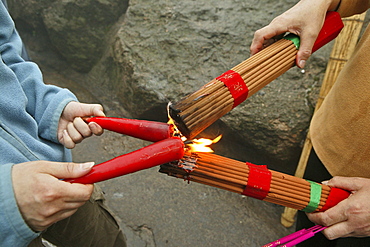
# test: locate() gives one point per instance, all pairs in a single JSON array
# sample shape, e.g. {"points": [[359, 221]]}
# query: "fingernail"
{"points": [[302, 63], [65, 132], [93, 125], [87, 165], [325, 182]]}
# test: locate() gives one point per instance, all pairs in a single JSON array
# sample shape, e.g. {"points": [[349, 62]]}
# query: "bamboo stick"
{"points": [[342, 50]]}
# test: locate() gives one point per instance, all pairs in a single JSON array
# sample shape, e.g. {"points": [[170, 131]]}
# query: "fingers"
{"points": [[299, 20], [269, 34], [66, 140], [348, 183], [79, 130], [331, 216], [345, 222], [63, 170], [350, 217], [45, 221], [91, 110], [308, 37], [96, 129], [339, 213], [97, 110], [265, 37], [42, 197], [72, 129], [257, 42], [338, 230], [76, 109], [75, 132], [86, 130], [65, 191], [336, 218]]}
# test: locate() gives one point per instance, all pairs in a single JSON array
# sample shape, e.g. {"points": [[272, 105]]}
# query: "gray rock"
{"points": [[79, 29]]}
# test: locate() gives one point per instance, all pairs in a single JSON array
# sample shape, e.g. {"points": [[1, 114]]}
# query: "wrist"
{"points": [[322, 5]]}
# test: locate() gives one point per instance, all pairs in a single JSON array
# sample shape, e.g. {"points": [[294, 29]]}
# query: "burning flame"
{"points": [[202, 145], [196, 145]]}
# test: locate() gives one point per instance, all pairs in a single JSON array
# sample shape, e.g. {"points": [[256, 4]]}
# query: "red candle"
{"points": [[145, 130], [158, 153]]}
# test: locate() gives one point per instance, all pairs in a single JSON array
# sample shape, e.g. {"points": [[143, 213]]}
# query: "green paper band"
{"points": [[294, 38], [315, 197]]}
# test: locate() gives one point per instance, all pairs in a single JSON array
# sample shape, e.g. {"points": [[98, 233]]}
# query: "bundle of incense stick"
{"points": [[199, 110], [255, 181]]}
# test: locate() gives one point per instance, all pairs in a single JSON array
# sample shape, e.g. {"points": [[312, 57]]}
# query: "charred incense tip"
{"points": [[187, 164], [179, 122]]}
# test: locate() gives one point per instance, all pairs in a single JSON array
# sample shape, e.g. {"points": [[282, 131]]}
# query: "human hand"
{"points": [[350, 217], [42, 197], [72, 129], [305, 19]]}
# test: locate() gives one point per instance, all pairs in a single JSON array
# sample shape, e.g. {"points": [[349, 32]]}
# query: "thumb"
{"points": [[91, 110], [305, 51], [347, 183], [96, 110], [308, 37], [70, 170], [77, 109]]}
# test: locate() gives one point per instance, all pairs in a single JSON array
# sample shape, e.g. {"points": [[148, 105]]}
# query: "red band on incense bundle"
{"points": [[158, 153], [236, 85], [142, 129], [259, 180]]}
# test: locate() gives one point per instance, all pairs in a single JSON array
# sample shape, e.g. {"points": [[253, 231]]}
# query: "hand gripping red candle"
{"points": [[158, 153], [142, 129]]}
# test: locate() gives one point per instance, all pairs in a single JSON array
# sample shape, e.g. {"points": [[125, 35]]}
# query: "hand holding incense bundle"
{"points": [[199, 110], [255, 181]]}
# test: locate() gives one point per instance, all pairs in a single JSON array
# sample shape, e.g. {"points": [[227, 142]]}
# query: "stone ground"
{"points": [[156, 210]]}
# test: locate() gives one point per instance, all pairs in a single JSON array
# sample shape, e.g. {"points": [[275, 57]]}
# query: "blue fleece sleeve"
{"points": [[49, 117], [13, 229], [45, 103]]}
